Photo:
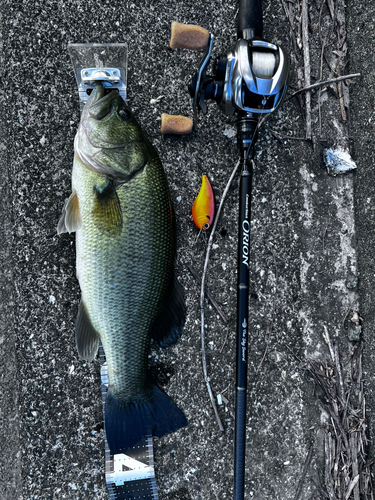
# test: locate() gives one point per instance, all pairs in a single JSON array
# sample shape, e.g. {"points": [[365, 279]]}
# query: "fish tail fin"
{"points": [[153, 413]]}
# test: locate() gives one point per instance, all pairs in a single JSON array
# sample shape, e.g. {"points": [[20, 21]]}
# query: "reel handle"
{"points": [[250, 19]]}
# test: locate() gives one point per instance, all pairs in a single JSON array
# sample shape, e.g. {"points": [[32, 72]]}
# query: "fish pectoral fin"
{"points": [[171, 318], [107, 212], [87, 338], [70, 219]]}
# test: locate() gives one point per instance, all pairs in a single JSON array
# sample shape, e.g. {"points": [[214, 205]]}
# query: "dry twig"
{"points": [[348, 311], [304, 472], [322, 84], [194, 272], [288, 15], [328, 342], [279, 136], [323, 44], [347, 470], [203, 339], [306, 64]]}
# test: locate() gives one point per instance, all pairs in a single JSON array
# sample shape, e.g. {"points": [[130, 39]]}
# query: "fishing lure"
{"points": [[204, 206]]}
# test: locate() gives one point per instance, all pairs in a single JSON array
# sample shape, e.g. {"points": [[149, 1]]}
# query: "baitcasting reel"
{"points": [[249, 80]]}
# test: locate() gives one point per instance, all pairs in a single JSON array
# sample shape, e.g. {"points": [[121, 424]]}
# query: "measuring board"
{"points": [[129, 475]]}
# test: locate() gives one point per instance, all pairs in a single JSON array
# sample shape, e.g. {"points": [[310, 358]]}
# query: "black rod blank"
{"points": [[250, 19], [242, 329]]}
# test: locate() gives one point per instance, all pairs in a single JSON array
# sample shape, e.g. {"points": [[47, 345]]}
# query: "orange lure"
{"points": [[204, 206]]}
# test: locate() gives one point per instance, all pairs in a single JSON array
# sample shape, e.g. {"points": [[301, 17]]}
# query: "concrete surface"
{"points": [[361, 24], [310, 232]]}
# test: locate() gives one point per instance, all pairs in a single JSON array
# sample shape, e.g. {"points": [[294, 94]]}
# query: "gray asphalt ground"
{"points": [[311, 233]]}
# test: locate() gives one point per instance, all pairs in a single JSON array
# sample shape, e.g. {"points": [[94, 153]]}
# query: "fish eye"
{"points": [[205, 226], [125, 114]]}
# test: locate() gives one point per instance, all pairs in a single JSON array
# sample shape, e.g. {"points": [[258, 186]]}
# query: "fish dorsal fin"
{"points": [[87, 338], [107, 212], [170, 321], [70, 219]]}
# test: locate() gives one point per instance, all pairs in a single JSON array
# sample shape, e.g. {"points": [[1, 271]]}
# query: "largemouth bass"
{"points": [[125, 244]]}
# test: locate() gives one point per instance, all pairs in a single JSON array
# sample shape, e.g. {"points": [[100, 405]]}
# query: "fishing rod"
{"points": [[249, 81]]}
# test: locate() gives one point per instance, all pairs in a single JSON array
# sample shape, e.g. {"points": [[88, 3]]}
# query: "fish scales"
{"points": [[125, 244]]}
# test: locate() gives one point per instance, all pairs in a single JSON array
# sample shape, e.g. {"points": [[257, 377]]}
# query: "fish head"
{"points": [[109, 139]]}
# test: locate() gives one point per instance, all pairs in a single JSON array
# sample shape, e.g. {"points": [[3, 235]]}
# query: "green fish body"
{"points": [[125, 243]]}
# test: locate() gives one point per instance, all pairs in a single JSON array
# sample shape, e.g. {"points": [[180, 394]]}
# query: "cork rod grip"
{"points": [[188, 36], [174, 124]]}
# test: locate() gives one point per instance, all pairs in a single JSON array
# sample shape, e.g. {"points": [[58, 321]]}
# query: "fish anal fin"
{"points": [[87, 338], [70, 219], [107, 212], [170, 320]]}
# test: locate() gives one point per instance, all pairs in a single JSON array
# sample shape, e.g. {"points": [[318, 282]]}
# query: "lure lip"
{"points": [[203, 210]]}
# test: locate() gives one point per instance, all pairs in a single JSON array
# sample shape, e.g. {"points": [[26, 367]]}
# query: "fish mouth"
{"points": [[103, 103]]}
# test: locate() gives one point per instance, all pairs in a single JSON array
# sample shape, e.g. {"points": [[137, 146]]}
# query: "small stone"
{"points": [[351, 282], [230, 132], [354, 333], [355, 318], [338, 161]]}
